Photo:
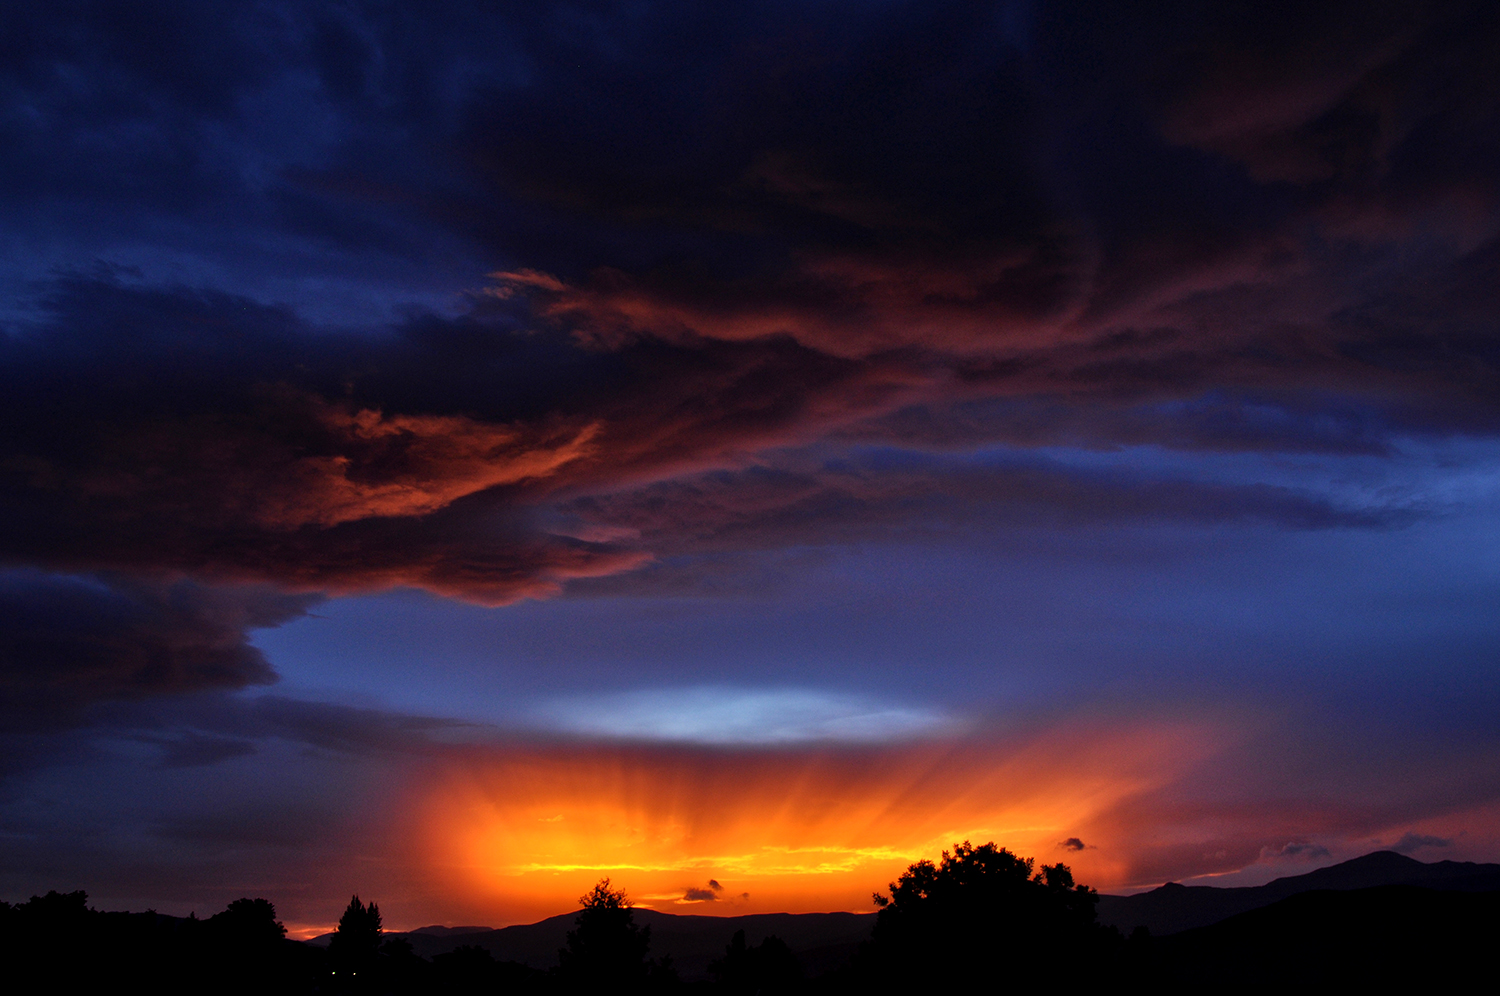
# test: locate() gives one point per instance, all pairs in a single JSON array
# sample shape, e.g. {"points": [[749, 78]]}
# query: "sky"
{"points": [[456, 452]]}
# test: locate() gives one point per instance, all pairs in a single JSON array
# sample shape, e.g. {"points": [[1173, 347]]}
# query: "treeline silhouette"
{"points": [[981, 918], [63, 945]]}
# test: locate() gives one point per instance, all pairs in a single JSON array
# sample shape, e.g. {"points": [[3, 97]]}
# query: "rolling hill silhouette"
{"points": [[821, 941], [1173, 908], [1390, 937], [1346, 907]]}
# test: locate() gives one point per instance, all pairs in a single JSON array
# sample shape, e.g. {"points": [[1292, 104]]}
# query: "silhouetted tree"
{"points": [[606, 950], [355, 947], [249, 923], [53, 931], [982, 917], [56, 911], [243, 947], [768, 967], [66, 946]]}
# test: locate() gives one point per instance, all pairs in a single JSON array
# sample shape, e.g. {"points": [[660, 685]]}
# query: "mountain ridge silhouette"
{"points": [[1405, 938], [827, 939], [1172, 908]]}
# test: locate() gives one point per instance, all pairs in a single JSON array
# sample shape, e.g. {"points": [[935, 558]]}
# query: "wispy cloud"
{"points": [[730, 715]]}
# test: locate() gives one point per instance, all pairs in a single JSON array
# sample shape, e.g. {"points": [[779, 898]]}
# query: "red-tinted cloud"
{"points": [[923, 227]]}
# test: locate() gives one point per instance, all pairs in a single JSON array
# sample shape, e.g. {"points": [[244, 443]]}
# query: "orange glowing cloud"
{"points": [[842, 305], [520, 835], [400, 465]]}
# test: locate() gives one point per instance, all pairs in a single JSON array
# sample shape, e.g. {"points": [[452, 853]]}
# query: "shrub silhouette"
{"points": [[768, 967], [982, 917]]}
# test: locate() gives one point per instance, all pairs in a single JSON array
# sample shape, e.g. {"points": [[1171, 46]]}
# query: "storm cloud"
{"points": [[548, 306], [1198, 259], [67, 642]]}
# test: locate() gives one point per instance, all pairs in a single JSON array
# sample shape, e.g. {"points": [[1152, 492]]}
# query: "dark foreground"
{"points": [[980, 920]]}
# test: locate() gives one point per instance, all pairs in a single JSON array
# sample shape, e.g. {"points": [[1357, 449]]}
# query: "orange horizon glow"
{"points": [[524, 833]]}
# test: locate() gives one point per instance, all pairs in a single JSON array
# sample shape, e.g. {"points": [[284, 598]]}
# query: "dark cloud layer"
{"points": [[67, 642], [47, 726], [493, 301], [200, 433], [884, 495]]}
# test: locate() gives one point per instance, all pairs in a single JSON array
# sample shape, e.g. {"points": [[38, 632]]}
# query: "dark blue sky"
{"points": [[914, 420]]}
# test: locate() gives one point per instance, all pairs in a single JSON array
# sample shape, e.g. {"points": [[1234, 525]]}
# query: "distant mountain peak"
{"points": [[1173, 907], [440, 931]]}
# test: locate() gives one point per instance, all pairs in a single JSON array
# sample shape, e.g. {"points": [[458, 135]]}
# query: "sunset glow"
{"points": [[798, 830]]}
